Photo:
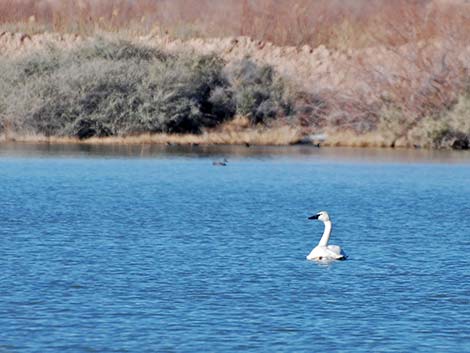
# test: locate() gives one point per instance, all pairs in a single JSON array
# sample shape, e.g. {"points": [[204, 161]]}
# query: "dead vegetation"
{"points": [[335, 24], [226, 134]]}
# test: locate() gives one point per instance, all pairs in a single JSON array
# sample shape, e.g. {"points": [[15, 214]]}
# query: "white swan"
{"points": [[323, 251]]}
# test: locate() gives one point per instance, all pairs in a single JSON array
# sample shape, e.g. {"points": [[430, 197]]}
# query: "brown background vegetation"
{"points": [[335, 23]]}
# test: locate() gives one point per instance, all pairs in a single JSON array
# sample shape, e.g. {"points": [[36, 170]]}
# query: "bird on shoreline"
{"points": [[323, 251]]}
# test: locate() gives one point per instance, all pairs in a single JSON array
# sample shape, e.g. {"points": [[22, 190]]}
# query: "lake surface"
{"points": [[145, 249]]}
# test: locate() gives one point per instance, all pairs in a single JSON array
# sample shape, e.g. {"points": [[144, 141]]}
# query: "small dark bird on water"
{"points": [[222, 163]]}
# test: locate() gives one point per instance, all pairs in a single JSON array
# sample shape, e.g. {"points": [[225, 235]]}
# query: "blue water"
{"points": [[128, 250]]}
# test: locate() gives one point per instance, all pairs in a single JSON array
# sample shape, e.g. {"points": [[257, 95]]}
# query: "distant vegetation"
{"points": [[386, 73], [333, 23], [108, 88]]}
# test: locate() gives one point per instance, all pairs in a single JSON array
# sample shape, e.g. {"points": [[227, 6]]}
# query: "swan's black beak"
{"points": [[314, 216]]}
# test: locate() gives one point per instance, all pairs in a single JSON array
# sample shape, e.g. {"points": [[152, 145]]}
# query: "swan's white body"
{"points": [[323, 251]]}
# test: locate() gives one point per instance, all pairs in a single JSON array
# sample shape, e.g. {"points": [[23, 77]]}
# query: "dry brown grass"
{"points": [[347, 138], [337, 24], [282, 136], [236, 132]]}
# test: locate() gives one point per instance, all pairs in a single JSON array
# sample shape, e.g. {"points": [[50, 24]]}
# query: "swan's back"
{"points": [[330, 252], [335, 248]]}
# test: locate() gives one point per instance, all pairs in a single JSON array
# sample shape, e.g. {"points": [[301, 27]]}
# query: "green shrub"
{"points": [[258, 93], [393, 123], [450, 129], [117, 50], [104, 88]]}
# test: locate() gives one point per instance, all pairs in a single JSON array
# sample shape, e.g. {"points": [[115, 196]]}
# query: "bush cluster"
{"points": [[115, 87], [448, 128], [258, 93]]}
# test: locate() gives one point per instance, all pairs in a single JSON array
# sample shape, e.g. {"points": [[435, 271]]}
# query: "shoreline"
{"points": [[274, 138]]}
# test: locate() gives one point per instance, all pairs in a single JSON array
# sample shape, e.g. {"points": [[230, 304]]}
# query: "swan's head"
{"points": [[321, 216]]}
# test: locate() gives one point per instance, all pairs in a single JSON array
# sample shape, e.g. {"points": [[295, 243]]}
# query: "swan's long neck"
{"points": [[326, 234]]}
